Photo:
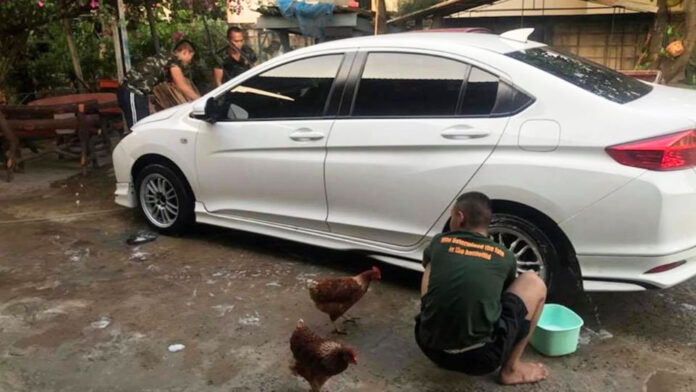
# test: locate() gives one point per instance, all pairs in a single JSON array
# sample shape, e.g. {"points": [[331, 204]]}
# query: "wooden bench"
{"points": [[64, 123]]}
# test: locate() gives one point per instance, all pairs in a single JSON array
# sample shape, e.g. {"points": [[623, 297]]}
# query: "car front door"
{"points": [[265, 161], [419, 127]]}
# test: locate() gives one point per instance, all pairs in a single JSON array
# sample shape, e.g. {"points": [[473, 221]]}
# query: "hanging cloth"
{"points": [[312, 18]]}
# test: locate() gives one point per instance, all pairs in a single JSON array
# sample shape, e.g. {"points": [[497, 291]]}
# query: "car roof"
{"points": [[431, 40]]}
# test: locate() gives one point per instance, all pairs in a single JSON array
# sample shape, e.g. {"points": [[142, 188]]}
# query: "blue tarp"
{"points": [[312, 18]]}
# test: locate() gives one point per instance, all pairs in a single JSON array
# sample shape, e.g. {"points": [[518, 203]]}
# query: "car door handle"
{"points": [[306, 136], [464, 133]]}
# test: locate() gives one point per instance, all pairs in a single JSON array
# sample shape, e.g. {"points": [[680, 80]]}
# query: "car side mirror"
{"points": [[212, 111]]}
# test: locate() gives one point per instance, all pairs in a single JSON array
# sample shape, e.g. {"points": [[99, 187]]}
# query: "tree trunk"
{"points": [[675, 68], [151, 21], [658, 34], [73, 54]]}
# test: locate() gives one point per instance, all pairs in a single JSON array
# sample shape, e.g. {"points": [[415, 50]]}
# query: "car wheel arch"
{"points": [[150, 159]]}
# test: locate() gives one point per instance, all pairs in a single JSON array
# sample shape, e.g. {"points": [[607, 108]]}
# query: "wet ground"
{"points": [[80, 310]]}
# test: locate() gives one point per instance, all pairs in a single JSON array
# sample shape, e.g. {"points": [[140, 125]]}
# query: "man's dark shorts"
{"points": [[511, 328]]}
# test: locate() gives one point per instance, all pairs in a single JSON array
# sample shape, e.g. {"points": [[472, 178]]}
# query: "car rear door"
{"points": [[412, 130]]}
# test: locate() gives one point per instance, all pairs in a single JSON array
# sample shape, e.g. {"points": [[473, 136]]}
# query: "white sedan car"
{"points": [[364, 144]]}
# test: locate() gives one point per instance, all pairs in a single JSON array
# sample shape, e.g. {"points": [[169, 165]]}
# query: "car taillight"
{"points": [[670, 152]]}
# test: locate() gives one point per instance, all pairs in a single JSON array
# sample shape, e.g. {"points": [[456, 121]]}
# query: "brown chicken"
{"points": [[317, 359], [334, 296]]}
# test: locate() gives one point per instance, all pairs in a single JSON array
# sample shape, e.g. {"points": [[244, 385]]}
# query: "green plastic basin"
{"points": [[557, 332]]}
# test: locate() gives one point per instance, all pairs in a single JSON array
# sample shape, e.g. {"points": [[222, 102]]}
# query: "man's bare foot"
{"points": [[523, 373]]}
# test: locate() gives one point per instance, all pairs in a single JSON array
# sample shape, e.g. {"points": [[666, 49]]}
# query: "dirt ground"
{"points": [[80, 310]]}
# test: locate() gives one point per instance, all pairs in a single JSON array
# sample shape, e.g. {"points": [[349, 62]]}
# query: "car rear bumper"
{"points": [[649, 222], [628, 273]]}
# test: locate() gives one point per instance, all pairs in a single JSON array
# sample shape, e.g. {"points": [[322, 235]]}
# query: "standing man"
{"points": [[140, 80], [476, 315], [239, 59]]}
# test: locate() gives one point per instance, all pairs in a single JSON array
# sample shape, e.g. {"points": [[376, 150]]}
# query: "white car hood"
{"points": [[161, 115], [668, 100]]}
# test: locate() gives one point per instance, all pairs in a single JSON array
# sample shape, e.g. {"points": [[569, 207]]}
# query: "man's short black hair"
{"points": [[185, 44], [476, 207], [233, 29]]}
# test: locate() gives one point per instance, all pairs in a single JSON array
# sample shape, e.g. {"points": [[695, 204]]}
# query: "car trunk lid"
{"points": [[668, 100]]}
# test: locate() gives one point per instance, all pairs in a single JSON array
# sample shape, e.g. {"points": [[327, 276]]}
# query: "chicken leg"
{"points": [[337, 330]]}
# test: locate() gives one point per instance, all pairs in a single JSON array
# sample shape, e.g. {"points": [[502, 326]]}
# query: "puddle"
{"points": [[250, 319], [102, 323], [664, 381]]}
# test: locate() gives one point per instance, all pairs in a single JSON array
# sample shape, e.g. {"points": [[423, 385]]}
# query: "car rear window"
{"points": [[585, 74]]}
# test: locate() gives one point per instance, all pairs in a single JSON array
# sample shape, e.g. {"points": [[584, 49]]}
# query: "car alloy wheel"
{"points": [[159, 200], [525, 249]]}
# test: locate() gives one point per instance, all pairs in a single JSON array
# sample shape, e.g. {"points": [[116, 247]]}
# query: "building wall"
{"points": [[612, 40], [561, 7]]}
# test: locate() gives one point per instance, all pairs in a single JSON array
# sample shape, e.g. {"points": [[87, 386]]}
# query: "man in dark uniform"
{"points": [[476, 315], [238, 57], [140, 80]]}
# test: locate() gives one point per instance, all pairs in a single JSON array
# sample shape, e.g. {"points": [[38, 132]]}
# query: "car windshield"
{"points": [[585, 74]]}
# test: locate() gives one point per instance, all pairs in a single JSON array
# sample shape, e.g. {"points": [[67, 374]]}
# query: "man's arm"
{"points": [[181, 84], [425, 280], [217, 74], [427, 253], [512, 274]]}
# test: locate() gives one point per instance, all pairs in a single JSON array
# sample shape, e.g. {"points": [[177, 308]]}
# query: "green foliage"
{"points": [[183, 24], [42, 62], [415, 5]]}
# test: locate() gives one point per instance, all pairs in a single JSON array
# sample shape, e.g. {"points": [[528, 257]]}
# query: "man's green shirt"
{"points": [[468, 273], [152, 71]]}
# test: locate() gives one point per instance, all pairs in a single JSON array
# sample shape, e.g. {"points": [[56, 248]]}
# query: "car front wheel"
{"points": [[164, 199]]}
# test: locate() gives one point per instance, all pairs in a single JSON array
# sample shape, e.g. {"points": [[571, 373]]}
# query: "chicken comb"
{"points": [[377, 272]]}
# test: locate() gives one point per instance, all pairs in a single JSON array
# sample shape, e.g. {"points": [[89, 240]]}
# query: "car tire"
{"points": [[532, 247], [164, 199]]}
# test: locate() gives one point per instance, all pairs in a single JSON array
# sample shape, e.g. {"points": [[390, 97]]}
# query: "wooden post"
{"points": [[12, 152], [124, 35], [284, 40], [380, 10], [117, 51], [73, 54], [438, 22]]}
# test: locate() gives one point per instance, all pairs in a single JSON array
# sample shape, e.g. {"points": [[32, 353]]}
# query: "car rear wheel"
{"points": [[533, 249], [164, 199]]}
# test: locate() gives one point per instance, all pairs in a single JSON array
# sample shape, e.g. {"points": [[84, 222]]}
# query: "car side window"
{"points": [[510, 100], [409, 85], [299, 89], [481, 93]]}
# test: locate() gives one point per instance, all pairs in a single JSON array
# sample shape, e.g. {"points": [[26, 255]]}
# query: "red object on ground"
{"points": [[648, 75]]}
